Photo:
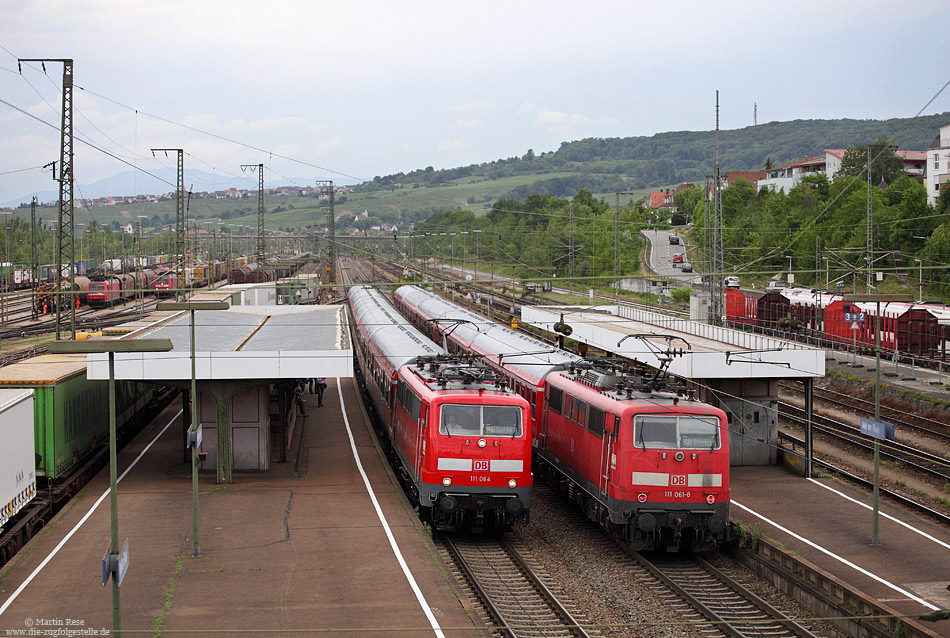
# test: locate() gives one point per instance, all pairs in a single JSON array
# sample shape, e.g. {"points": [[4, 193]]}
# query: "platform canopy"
{"points": [[710, 352], [243, 342]]}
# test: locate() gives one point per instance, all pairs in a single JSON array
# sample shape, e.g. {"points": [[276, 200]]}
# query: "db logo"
{"points": [[481, 465], [711, 499], [678, 479], [642, 498]]}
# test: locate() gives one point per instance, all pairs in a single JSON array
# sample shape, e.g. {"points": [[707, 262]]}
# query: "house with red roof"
{"points": [[789, 176], [915, 162]]}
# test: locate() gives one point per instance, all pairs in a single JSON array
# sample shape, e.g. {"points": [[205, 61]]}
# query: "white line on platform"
{"points": [[382, 519], [55, 551], [821, 549], [898, 521]]}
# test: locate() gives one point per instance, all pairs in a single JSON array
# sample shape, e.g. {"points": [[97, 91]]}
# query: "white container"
{"points": [[17, 460]]}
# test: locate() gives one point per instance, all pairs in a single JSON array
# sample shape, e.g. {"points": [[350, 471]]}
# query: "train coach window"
{"points": [[502, 420], [671, 432], [698, 433], [596, 421], [476, 420], [554, 399], [655, 432]]}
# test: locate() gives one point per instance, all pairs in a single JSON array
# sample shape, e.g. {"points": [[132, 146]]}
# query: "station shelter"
{"points": [[247, 361], [736, 370]]}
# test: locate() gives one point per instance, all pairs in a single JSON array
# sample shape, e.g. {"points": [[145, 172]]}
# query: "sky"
{"points": [[347, 91]]}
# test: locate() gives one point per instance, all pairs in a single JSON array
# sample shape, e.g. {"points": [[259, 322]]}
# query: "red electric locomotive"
{"points": [[650, 465], [462, 441], [107, 292]]}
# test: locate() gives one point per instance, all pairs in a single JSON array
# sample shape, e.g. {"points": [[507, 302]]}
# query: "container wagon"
{"points": [[17, 471], [69, 427]]}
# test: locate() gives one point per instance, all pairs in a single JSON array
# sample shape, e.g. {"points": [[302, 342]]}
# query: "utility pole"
{"points": [[870, 238], [66, 249], [570, 257], [180, 221], [717, 302], [617, 239], [34, 264], [327, 186], [260, 208]]}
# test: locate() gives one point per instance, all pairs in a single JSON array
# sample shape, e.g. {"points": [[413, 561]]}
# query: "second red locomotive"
{"points": [[650, 464]]}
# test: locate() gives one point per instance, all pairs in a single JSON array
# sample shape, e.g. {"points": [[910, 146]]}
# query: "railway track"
{"points": [[936, 468], [902, 420], [515, 599], [705, 599], [732, 609]]}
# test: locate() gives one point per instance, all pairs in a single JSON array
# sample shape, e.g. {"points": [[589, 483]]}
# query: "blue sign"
{"points": [[854, 316], [878, 429], [122, 564]]}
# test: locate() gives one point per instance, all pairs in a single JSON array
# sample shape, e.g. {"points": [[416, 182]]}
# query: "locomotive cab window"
{"points": [[478, 420], [676, 432]]}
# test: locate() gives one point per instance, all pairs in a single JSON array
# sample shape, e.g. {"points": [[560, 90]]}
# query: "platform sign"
{"points": [[107, 565], [193, 437], [122, 564], [115, 566], [854, 316], [878, 429]]}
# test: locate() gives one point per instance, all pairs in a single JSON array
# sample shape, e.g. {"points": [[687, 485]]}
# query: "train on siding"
{"points": [[68, 428], [637, 452], [827, 319], [461, 439]]}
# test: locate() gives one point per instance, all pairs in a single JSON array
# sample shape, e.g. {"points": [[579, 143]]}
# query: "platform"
{"points": [[278, 552], [909, 570]]}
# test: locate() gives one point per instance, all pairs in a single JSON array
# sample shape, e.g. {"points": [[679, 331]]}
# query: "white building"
{"points": [[789, 176], [914, 161], [938, 165]]}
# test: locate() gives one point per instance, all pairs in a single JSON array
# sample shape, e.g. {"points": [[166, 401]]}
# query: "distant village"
{"points": [[227, 193]]}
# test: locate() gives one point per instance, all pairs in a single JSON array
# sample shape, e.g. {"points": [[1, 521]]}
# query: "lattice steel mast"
{"points": [[260, 208], [179, 221], [327, 186], [717, 261], [66, 249]]}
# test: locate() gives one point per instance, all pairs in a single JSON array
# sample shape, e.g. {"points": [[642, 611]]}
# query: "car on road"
{"points": [[674, 239], [775, 286], [730, 282], [678, 258], [687, 267]]}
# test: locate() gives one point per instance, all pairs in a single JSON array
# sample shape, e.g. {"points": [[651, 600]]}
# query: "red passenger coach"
{"points": [[651, 466], [461, 440]]}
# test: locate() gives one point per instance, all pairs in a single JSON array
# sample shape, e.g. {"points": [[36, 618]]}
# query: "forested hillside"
{"points": [[617, 164]]}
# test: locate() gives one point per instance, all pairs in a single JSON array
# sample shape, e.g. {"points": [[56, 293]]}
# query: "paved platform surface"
{"points": [[917, 564], [278, 553]]}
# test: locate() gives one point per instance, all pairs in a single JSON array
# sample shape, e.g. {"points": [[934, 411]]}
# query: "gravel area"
{"points": [[588, 567]]}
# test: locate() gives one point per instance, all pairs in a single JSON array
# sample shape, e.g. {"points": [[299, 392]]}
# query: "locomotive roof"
{"points": [[527, 355], [395, 337]]}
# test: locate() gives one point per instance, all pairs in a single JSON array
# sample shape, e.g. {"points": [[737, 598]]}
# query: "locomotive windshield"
{"points": [[682, 432], [480, 420]]}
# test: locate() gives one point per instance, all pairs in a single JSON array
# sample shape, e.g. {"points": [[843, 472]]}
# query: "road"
{"points": [[661, 256]]}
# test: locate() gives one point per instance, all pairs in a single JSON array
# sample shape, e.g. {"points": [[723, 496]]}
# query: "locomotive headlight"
{"points": [[482, 442], [512, 484], [446, 481]]}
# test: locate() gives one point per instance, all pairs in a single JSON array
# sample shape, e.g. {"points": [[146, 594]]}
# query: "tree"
{"points": [[886, 166]]}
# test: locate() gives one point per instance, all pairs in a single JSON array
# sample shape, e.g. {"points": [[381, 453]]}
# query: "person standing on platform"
{"points": [[312, 382], [298, 399], [321, 386]]}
